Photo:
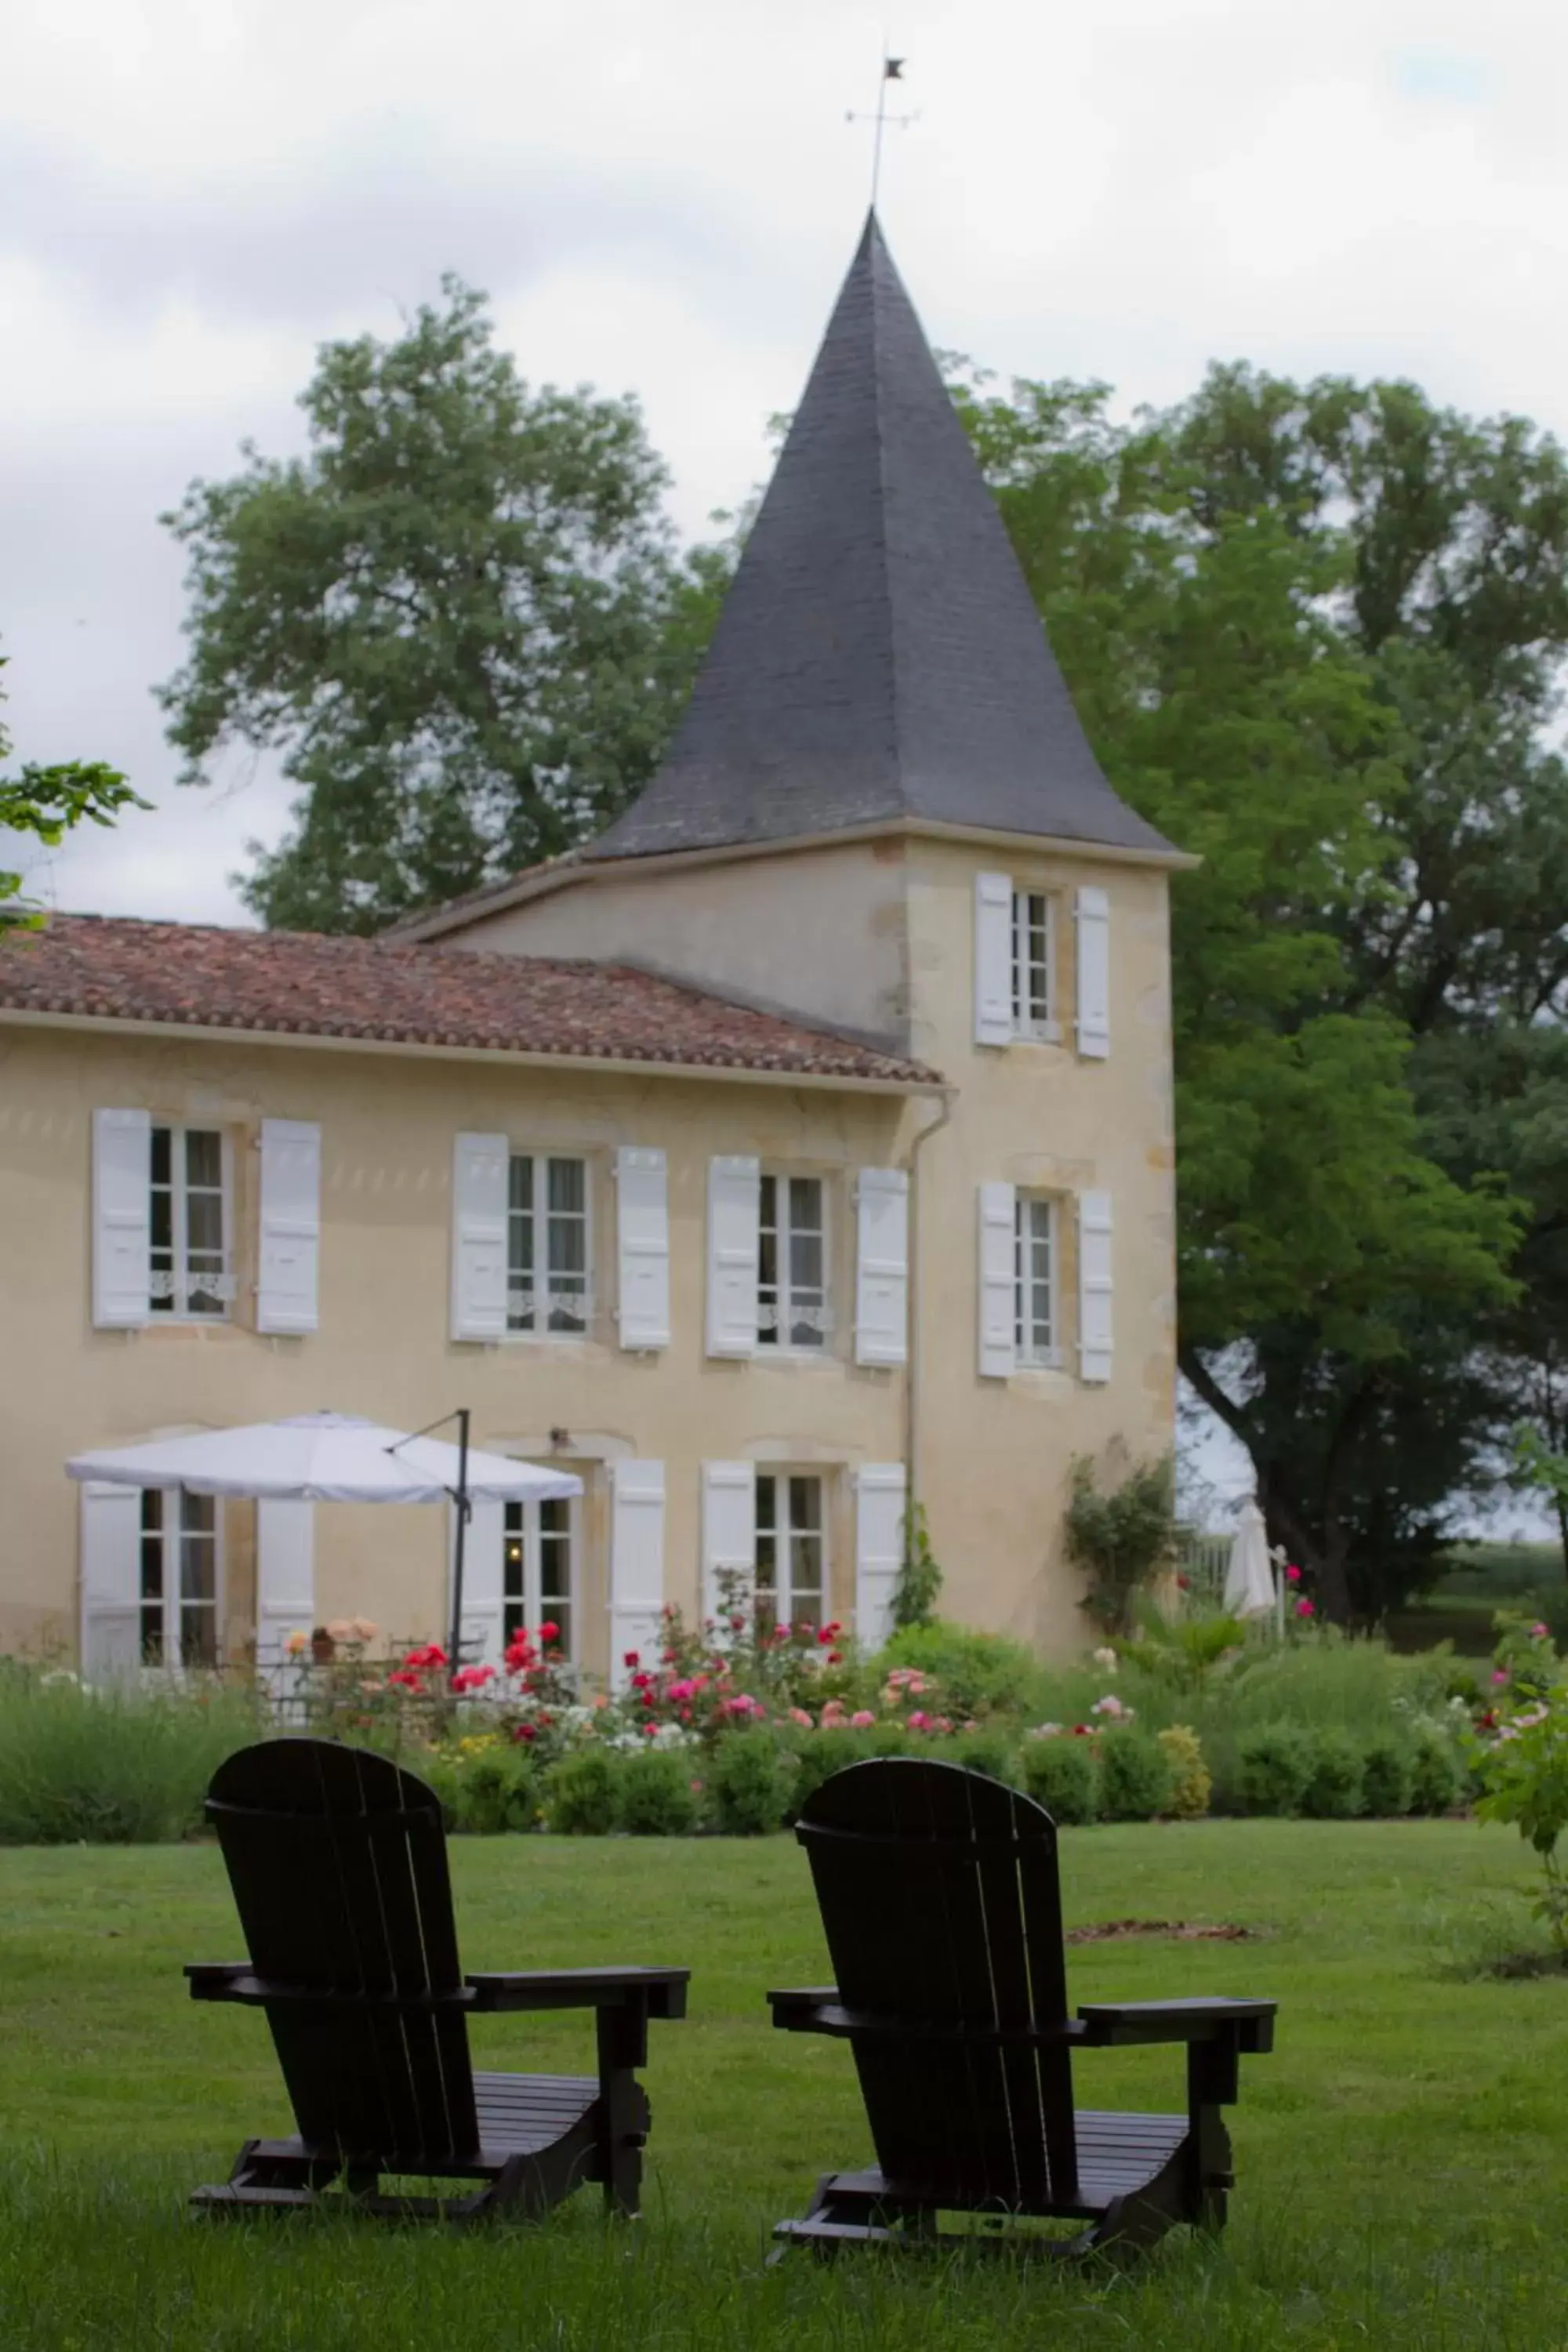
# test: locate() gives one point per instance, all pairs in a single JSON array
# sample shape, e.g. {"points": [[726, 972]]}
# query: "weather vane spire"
{"points": [[892, 70]]}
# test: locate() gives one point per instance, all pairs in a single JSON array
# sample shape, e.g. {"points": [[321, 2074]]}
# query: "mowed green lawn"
{"points": [[1403, 2155]]}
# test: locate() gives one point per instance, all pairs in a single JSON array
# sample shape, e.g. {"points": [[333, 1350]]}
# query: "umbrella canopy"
{"points": [[1250, 1579], [321, 1457]]}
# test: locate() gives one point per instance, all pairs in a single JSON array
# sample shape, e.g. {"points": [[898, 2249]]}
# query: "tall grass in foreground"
{"points": [[102, 2260], [110, 1766]]}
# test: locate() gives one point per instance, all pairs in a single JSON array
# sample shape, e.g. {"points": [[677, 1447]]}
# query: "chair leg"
{"points": [[623, 2123]]}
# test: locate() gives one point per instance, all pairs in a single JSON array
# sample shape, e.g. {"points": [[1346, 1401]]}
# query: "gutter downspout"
{"points": [[912, 1368]]}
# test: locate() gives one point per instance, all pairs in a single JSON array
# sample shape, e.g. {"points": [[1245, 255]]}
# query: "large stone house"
{"points": [[804, 1141]]}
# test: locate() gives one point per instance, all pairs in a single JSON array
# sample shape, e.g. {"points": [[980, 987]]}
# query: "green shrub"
{"points": [[581, 1794], [1275, 1765], [112, 1766], [485, 1793], [979, 1673], [1135, 1775], [1060, 1773], [1191, 1784], [821, 1754], [1334, 1781], [1434, 1774], [991, 1752], [747, 1784], [1386, 1778], [657, 1799]]}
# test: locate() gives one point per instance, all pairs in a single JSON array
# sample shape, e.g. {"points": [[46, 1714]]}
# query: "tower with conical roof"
{"points": [[881, 813]]}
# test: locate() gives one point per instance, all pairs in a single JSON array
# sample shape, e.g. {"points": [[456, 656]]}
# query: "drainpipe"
{"points": [[913, 1367]]}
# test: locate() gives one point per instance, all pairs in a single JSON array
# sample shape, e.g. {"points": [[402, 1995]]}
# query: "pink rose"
{"points": [[862, 1720], [1305, 1609], [1292, 1576], [1500, 1673]]}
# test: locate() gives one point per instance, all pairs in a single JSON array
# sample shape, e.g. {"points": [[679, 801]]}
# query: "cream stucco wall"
{"points": [[388, 1122], [820, 931], [881, 935]]}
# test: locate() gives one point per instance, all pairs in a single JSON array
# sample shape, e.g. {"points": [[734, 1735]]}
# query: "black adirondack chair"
{"points": [[938, 1895], [338, 1862]]}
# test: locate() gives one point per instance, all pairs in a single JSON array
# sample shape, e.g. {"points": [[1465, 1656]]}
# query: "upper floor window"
{"points": [[792, 1263], [547, 1266], [189, 1223], [1035, 1311], [1033, 932], [178, 1590]]}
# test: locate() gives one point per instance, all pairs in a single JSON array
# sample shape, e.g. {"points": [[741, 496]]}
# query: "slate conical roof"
{"points": [[878, 654]]}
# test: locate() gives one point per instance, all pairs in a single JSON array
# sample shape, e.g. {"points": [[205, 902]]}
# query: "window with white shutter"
{"points": [[122, 1219], [734, 1207], [479, 1236], [548, 1285], [1092, 918], [285, 1587], [289, 1242], [538, 1558], [1034, 960], [791, 1549], [880, 1491], [1094, 1286], [792, 1307], [881, 1266], [636, 1567], [190, 1278], [111, 1582], [993, 960], [729, 1536], [995, 1281], [1034, 1279], [642, 1235]]}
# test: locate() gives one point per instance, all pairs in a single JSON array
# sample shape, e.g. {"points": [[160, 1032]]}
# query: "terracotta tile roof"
{"points": [[300, 983]]}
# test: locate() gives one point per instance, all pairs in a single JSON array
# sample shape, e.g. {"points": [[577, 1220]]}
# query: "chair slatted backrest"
{"points": [[338, 1862], [942, 1906]]}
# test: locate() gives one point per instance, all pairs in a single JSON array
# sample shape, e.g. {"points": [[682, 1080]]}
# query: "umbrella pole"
{"points": [[461, 1499]]}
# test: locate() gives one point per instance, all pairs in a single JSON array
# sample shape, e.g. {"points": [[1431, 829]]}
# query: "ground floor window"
{"points": [[792, 1548], [179, 1579], [539, 1556]]}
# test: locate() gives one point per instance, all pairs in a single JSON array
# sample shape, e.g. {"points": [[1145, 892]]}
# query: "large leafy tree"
{"points": [[458, 618], [44, 803], [1314, 632]]}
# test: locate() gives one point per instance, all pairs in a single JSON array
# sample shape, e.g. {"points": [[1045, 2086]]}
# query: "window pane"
{"points": [[162, 1154], [152, 1568], [519, 1181], [568, 1243], [768, 1332], [805, 1502], [767, 1501], [152, 1635], [512, 1585], [204, 1159], [198, 1637], [569, 1186], [198, 1567], [152, 1509], [520, 1244]]}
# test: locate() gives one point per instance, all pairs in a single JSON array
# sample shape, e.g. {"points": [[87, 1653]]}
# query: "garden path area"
{"points": [[1402, 2157]]}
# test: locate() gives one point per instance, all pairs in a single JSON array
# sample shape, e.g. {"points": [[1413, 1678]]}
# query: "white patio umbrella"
{"points": [[1248, 1579], [323, 1457], [332, 1457]]}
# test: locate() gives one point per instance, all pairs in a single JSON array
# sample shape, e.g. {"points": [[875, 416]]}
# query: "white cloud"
{"points": [[194, 192]]}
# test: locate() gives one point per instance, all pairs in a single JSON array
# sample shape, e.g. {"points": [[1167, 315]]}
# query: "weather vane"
{"points": [[892, 70]]}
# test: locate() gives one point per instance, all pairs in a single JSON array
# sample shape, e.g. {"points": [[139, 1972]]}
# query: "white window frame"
{"points": [[777, 1338], [547, 1301], [177, 1276], [529, 1532], [780, 1477], [174, 1501], [1030, 1353], [1044, 1025]]}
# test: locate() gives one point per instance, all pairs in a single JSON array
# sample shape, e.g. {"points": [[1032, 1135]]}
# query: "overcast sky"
{"points": [[194, 193]]}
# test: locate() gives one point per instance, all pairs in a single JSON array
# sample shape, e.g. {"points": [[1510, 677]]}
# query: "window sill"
{"points": [[771, 1355], [1042, 1380], [1043, 1033]]}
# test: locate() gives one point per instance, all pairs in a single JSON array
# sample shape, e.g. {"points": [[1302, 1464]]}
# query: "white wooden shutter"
{"points": [[734, 1189], [636, 1566], [111, 1581], [729, 1530], [998, 1309], [993, 960], [484, 1584], [1092, 916], [882, 1266], [1094, 1286], [642, 1229], [285, 1592], [122, 1218], [880, 1500], [291, 1236], [480, 1164]]}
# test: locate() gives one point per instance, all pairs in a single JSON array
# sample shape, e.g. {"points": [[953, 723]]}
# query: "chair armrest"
{"points": [[215, 1979], [1249, 2024], [796, 2009], [818, 2009], [658, 1993]]}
